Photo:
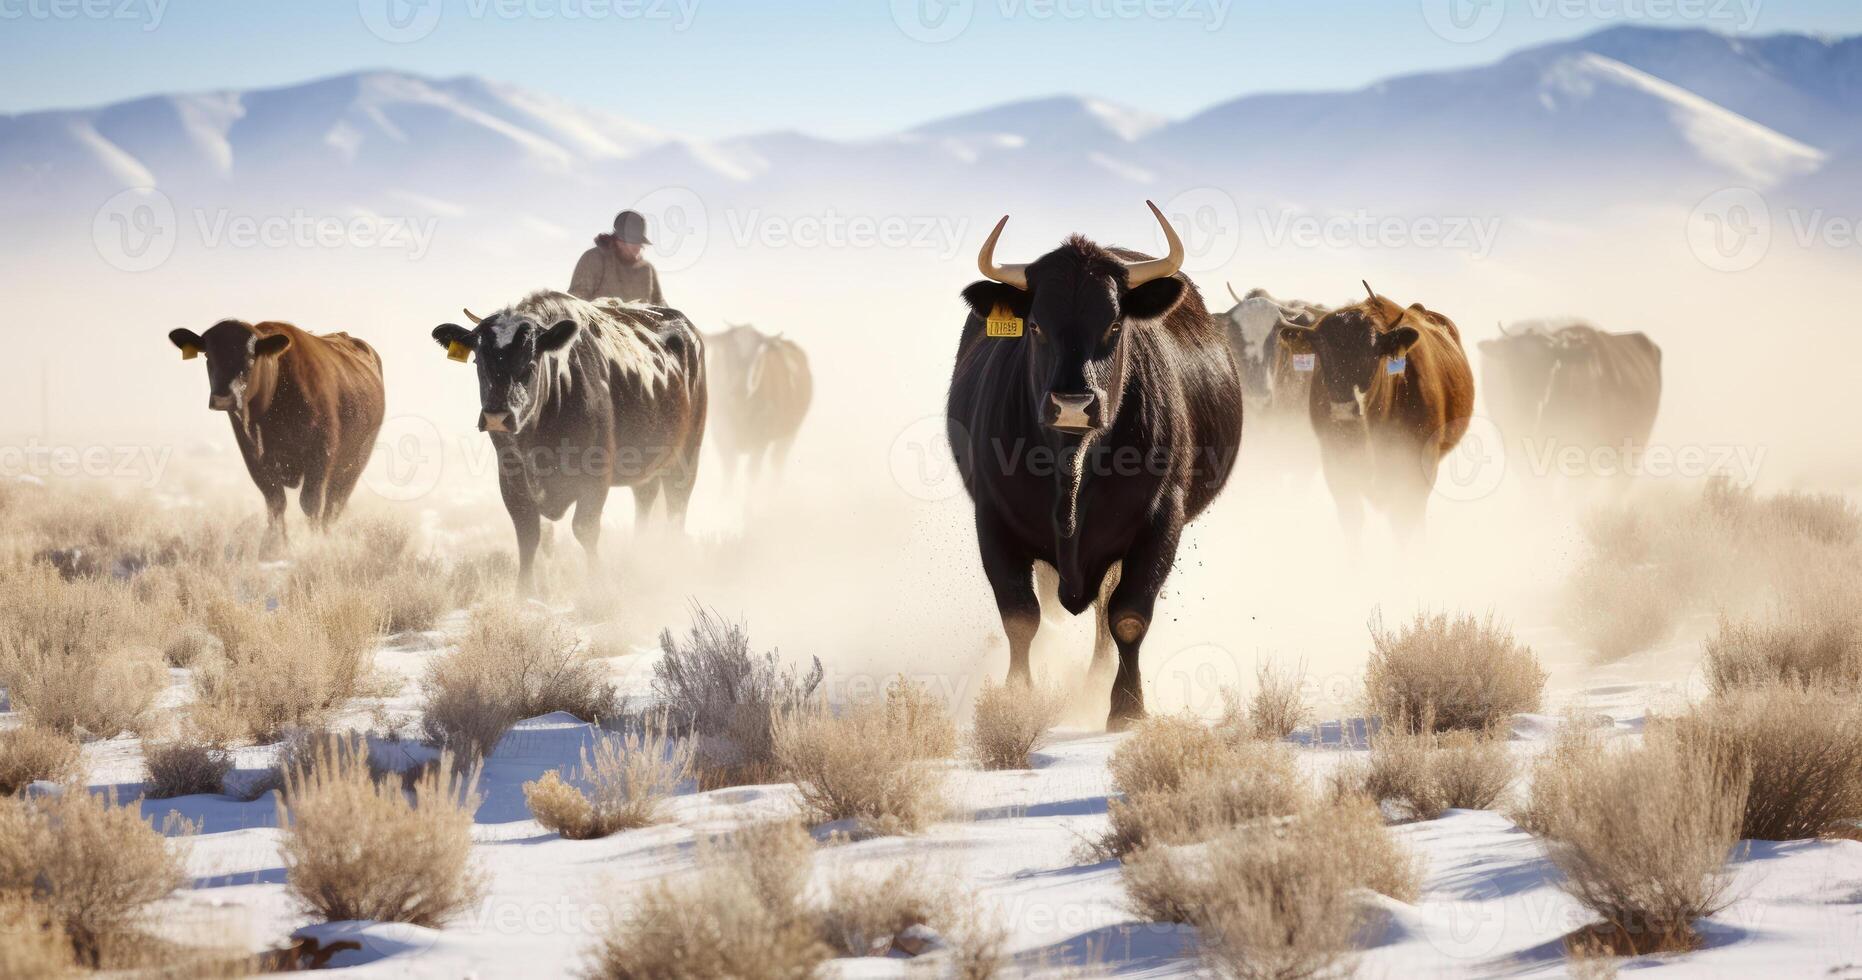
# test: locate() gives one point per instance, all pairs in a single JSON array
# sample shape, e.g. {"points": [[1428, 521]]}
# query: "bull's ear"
{"points": [[985, 295], [1296, 338], [1152, 300], [186, 339], [1396, 343], [271, 345], [558, 336], [448, 334]]}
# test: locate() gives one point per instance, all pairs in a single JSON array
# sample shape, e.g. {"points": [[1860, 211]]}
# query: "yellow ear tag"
{"points": [[458, 352], [1002, 322], [189, 352]]}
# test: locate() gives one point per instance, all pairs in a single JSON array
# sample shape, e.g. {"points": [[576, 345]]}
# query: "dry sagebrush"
{"points": [[1642, 836], [1461, 672], [1179, 782], [1278, 707], [714, 688], [1276, 897], [30, 753], [628, 779], [1798, 750], [1424, 774], [1823, 653], [862, 766], [76, 656], [741, 914], [92, 867], [1011, 721], [514, 662], [354, 847], [184, 767]]}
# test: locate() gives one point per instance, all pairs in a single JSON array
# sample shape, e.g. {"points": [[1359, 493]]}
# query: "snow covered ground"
{"points": [[1490, 904]]}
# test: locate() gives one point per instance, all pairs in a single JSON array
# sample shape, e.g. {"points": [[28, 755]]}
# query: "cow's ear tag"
{"points": [[458, 352], [1003, 322], [189, 352], [1396, 365], [1302, 363]]}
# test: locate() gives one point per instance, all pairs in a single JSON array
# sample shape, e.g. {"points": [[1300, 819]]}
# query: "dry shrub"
{"points": [[515, 662], [1800, 751], [713, 687], [921, 716], [862, 914], [1618, 610], [1465, 673], [76, 656], [184, 767], [740, 915], [35, 945], [30, 753], [859, 766], [1180, 782], [1012, 721], [356, 848], [628, 777], [1725, 550], [93, 867], [1278, 708], [1642, 835], [1826, 654], [1424, 774], [285, 669], [1276, 897]]}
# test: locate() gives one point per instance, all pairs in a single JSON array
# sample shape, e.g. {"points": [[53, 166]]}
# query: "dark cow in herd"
{"points": [[305, 409], [579, 397], [1393, 395], [1094, 410], [1554, 385], [761, 387]]}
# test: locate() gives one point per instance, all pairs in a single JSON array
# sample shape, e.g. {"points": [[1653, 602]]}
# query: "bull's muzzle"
{"points": [[220, 403], [495, 422], [1072, 413]]}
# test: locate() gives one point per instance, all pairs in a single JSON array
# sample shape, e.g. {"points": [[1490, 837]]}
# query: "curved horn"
{"points": [[471, 316], [1008, 275], [1367, 288], [1231, 290], [1139, 273], [1502, 325]]}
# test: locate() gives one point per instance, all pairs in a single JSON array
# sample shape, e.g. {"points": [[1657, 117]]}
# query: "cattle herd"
{"points": [[1095, 408]]}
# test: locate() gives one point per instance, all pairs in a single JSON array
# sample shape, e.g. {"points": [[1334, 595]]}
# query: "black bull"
{"points": [[1090, 440]]}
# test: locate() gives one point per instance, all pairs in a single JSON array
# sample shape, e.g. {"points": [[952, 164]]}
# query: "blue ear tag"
{"points": [[1396, 365]]}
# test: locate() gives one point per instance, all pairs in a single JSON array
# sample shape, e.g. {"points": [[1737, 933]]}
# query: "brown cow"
{"points": [[305, 409], [1557, 385], [1393, 395]]}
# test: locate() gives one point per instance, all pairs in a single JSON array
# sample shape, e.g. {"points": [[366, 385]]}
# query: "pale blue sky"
{"points": [[719, 67]]}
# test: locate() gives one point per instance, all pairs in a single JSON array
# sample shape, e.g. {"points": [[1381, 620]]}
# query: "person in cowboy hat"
{"points": [[615, 267]]}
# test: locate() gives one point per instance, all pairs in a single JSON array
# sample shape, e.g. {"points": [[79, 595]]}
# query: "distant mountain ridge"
{"points": [[1622, 115]]}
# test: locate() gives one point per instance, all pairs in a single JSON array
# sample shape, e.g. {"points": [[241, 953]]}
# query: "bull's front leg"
{"points": [[1011, 576], [1133, 602], [521, 503]]}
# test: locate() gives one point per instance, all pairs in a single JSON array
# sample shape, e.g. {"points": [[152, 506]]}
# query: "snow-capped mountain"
{"points": [[1623, 115]]}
